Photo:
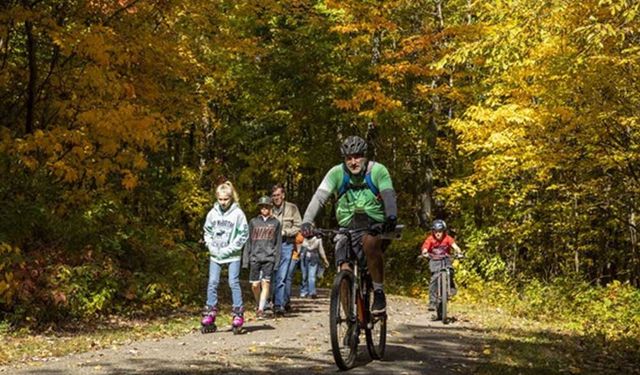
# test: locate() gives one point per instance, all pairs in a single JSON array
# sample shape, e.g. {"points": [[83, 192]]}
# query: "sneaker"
{"points": [[287, 307], [303, 295], [432, 307], [379, 303], [279, 311], [260, 314]]}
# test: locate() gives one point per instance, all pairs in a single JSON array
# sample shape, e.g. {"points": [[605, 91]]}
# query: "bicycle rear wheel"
{"points": [[343, 324], [375, 330]]}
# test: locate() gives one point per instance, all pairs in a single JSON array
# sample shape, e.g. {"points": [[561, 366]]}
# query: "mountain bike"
{"points": [[350, 305], [443, 286]]}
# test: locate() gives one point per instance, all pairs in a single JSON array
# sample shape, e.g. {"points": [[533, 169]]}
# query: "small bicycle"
{"points": [[350, 305], [443, 286]]}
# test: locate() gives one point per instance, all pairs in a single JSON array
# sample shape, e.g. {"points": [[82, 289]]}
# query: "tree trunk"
{"points": [[439, 14], [635, 261], [31, 86], [426, 200], [576, 255]]}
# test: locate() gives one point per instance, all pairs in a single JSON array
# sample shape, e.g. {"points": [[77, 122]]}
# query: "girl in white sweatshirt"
{"points": [[225, 232]]}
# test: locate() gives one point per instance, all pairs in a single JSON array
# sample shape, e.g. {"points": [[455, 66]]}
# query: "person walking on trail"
{"points": [[225, 233], [289, 216], [365, 199], [262, 252], [436, 247], [310, 255]]}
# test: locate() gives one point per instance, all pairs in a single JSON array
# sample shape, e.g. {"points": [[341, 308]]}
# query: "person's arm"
{"points": [[426, 247], [329, 185], [246, 254], [278, 244], [208, 231], [323, 255], [295, 227], [239, 236], [315, 204], [456, 248], [382, 179], [390, 203]]}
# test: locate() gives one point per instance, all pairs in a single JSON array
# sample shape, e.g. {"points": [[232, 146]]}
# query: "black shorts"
{"points": [[342, 247], [259, 271], [357, 237]]}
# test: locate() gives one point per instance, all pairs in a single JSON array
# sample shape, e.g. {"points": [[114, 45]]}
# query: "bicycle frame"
{"points": [[357, 312], [444, 274], [360, 273]]}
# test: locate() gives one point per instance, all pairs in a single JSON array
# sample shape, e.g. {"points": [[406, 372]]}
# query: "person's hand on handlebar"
{"points": [[306, 229], [457, 252], [390, 224], [425, 254]]}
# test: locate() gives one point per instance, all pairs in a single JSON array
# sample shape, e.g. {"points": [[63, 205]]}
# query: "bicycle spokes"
{"points": [[343, 324], [375, 330]]}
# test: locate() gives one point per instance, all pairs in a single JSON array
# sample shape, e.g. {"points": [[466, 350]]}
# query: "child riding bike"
{"points": [[437, 247]]}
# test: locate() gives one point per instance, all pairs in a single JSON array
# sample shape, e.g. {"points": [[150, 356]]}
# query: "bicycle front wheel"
{"points": [[375, 330], [343, 324], [444, 295]]}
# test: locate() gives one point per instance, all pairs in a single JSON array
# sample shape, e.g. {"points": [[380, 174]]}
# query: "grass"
{"points": [[517, 345]]}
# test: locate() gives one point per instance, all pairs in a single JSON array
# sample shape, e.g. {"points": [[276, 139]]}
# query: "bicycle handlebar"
{"points": [[456, 256], [375, 229]]}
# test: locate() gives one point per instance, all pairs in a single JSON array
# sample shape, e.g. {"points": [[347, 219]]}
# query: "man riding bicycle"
{"points": [[365, 199]]}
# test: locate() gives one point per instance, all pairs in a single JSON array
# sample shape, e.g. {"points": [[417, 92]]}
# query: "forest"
{"points": [[516, 121]]}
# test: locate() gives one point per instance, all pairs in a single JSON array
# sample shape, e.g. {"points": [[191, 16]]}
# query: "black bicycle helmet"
{"points": [[439, 226], [353, 145]]}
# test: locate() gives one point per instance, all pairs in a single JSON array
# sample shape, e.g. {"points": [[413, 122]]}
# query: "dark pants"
{"points": [[435, 266]]}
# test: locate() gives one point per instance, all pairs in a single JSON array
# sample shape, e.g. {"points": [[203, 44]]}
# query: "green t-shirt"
{"points": [[358, 200]]}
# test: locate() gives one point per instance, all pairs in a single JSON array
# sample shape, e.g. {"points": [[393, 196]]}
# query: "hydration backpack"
{"points": [[347, 185]]}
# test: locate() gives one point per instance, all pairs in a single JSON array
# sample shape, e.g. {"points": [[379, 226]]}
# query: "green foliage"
{"points": [[191, 203], [610, 312], [406, 274], [10, 259], [120, 117]]}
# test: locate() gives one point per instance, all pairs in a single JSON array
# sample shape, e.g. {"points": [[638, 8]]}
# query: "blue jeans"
{"points": [[280, 292], [234, 283], [289, 283], [304, 268], [312, 263]]}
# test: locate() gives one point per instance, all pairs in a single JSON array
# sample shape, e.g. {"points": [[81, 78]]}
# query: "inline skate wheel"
{"points": [[208, 329]]}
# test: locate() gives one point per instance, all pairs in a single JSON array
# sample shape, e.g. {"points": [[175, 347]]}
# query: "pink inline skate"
{"points": [[208, 321], [238, 320]]}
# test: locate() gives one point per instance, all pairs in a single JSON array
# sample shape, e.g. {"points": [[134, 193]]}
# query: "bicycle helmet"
{"points": [[439, 226], [353, 145]]}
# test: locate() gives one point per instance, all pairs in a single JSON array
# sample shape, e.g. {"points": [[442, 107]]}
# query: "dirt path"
{"points": [[298, 343]]}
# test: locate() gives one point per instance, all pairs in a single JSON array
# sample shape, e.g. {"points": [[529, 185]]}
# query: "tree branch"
{"points": [[118, 11]]}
